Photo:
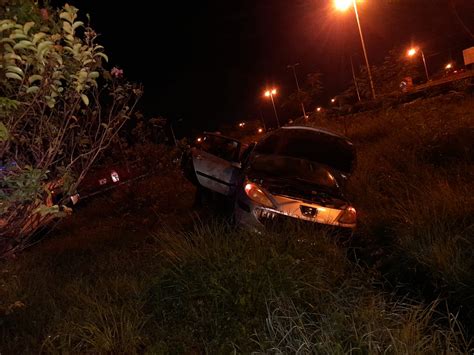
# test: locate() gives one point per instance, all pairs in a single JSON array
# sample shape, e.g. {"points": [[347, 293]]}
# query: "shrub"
{"points": [[59, 110]]}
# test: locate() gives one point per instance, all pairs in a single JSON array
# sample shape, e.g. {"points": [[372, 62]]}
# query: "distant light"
{"points": [[242, 124], [271, 92], [333, 100], [199, 140], [411, 52], [448, 66], [260, 130], [343, 5], [318, 109]]}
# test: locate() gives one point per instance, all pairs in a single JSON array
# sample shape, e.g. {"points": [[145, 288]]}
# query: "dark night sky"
{"points": [[208, 61]]}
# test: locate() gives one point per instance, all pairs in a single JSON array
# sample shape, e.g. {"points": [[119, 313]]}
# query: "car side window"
{"points": [[223, 148]]}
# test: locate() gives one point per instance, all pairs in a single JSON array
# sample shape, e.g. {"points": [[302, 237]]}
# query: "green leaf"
{"points": [[38, 36], [13, 76], [18, 36], [7, 40], [85, 99], [67, 27], [32, 89], [77, 24], [44, 46], [10, 56], [3, 133], [34, 78], [23, 44], [103, 55], [27, 27], [14, 69], [6, 25], [93, 75]]}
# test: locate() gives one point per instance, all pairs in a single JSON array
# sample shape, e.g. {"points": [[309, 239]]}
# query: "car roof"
{"points": [[220, 135], [317, 129]]}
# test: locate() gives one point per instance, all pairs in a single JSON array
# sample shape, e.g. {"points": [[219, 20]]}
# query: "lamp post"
{"points": [[412, 52], [270, 93], [293, 66], [343, 5], [355, 79]]}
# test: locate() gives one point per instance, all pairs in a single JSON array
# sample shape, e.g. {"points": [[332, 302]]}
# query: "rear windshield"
{"points": [[311, 145]]}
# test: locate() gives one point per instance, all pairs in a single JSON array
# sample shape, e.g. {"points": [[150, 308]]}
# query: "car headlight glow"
{"points": [[256, 194], [348, 216]]}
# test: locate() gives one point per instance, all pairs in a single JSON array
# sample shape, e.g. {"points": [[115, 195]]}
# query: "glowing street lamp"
{"points": [[344, 5], [242, 124], [270, 93], [333, 101], [412, 52], [260, 130], [448, 66], [318, 109]]}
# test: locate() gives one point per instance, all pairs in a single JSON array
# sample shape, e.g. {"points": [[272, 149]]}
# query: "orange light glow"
{"points": [[333, 100], [448, 66], [271, 92], [260, 130], [199, 140], [411, 52], [343, 5], [318, 109]]}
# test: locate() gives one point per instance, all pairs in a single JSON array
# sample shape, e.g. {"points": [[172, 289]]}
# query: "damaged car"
{"points": [[294, 173]]}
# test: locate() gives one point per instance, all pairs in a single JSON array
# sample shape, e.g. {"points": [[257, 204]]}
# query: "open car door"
{"points": [[216, 163]]}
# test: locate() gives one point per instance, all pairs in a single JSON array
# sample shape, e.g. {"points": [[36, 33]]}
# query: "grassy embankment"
{"points": [[127, 274]]}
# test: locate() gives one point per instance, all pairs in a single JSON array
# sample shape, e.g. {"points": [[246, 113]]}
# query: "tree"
{"points": [[59, 109], [387, 76], [309, 93]]}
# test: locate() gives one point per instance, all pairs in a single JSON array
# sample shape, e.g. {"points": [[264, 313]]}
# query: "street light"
{"points": [[448, 66], [412, 52], [293, 66], [270, 93], [343, 5]]}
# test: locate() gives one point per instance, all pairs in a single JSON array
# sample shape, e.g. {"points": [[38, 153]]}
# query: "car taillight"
{"points": [[115, 176], [256, 194], [348, 216]]}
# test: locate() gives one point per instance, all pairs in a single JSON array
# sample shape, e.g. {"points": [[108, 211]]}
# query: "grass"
{"points": [[128, 274], [415, 193], [213, 289]]}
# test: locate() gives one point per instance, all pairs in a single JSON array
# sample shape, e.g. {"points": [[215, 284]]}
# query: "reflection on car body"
{"points": [[293, 173]]}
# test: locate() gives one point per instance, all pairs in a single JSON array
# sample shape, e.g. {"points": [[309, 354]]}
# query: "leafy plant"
{"points": [[59, 107]]}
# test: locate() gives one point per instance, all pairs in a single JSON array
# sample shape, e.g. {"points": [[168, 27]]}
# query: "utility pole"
{"points": [[355, 80], [293, 66], [261, 118], [369, 71]]}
